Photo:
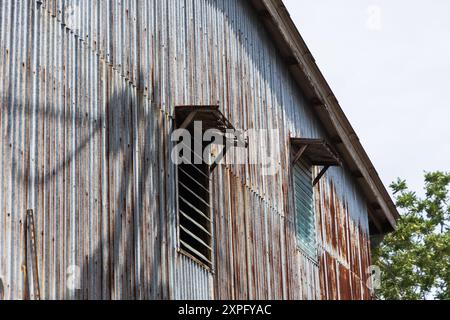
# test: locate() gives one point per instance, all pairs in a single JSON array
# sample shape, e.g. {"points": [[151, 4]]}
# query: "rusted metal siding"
{"points": [[86, 114], [345, 249]]}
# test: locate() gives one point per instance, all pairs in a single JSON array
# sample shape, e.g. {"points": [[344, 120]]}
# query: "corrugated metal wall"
{"points": [[87, 95]]}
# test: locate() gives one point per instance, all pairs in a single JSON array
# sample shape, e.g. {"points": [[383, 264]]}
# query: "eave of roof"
{"points": [[382, 212]]}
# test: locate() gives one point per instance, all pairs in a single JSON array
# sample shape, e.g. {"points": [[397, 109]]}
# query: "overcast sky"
{"points": [[388, 63]]}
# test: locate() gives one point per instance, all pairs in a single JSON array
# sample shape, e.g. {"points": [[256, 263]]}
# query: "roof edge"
{"points": [[311, 80]]}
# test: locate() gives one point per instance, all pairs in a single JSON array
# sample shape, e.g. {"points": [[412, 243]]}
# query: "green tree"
{"points": [[415, 260]]}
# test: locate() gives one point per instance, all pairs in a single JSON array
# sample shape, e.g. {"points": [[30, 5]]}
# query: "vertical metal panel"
{"points": [[87, 93]]}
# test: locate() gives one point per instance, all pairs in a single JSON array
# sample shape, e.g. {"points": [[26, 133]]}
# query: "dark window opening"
{"points": [[195, 219], [194, 212]]}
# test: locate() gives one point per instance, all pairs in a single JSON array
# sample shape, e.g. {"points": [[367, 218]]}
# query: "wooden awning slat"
{"points": [[210, 116], [318, 152]]}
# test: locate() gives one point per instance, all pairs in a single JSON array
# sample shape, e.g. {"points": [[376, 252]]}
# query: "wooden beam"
{"points": [[187, 122], [375, 221], [321, 174], [316, 102], [357, 174], [300, 154], [336, 140], [264, 14], [2, 290], [26, 284], [375, 207], [34, 260], [291, 60]]}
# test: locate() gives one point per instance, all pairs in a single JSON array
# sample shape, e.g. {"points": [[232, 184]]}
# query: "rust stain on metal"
{"points": [[345, 242], [86, 114]]}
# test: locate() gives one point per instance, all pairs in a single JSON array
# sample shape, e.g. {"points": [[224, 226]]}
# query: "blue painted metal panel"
{"points": [[305, 209]]}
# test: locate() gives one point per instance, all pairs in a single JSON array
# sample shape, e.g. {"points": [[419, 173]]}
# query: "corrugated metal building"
{"points": [[89, 96]]}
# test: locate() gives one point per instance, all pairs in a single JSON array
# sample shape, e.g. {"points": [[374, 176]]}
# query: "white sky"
{"points": [[388, 63]]}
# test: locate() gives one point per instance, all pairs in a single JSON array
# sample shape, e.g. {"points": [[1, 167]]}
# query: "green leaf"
{"points": [[415, 260]]}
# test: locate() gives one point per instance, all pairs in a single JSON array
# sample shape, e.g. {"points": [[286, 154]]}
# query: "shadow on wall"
{"points": [[106, 272], [122, 249], [116, 269]]}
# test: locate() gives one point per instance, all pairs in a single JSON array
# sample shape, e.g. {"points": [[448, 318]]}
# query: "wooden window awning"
{"points": [[318, 152], [210, 116]]}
